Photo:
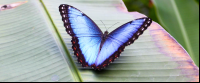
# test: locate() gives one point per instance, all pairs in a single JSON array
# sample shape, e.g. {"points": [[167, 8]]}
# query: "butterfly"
{"points": [[91, 46]]}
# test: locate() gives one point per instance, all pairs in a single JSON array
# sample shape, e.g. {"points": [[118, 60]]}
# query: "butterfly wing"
{"points": [[86, 36], [119, 38]]}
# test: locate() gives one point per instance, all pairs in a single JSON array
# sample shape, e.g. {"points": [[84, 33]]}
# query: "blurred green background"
{"points": [[143, 6], [179, 17]]}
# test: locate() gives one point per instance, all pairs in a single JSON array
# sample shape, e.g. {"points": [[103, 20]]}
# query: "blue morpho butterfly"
{"points": [[94, 48]]}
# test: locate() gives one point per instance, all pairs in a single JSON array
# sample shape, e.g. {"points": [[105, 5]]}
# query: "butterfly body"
{"points": [[104, 37], [94, 48]]}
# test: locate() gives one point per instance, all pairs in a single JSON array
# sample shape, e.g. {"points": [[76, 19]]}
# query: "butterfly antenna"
{"points": [[113, 25], [104, 24]]}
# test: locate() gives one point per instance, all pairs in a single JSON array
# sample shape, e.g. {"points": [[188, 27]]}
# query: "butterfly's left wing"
{"points": [[86, 35], [119, 38]]}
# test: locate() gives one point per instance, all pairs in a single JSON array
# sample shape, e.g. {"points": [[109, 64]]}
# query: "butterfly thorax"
{"points": [[104, 37]]}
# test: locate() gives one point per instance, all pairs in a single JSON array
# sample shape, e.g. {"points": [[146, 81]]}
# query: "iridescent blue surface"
{"points": [[90, 36], [117, 38]]}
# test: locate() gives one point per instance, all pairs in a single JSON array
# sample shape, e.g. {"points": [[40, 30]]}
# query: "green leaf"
{"points": [[181, 19], [28, 49], [34, 46], [155, 56]]}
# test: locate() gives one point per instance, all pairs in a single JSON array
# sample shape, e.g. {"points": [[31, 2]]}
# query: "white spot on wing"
{"points": [[145, 25], [142, 29]]}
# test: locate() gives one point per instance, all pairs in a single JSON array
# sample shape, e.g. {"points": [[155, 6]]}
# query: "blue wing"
{"points": [[86, 36], [87, 41], [119, 38]]}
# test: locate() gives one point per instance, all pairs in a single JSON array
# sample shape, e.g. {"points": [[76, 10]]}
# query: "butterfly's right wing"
{"points": [[86, 36], [119, 38]]}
